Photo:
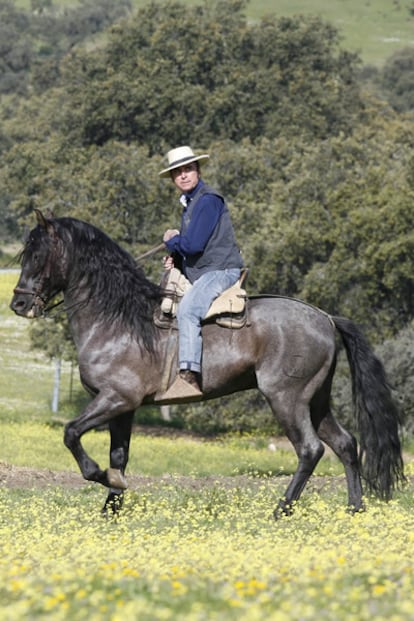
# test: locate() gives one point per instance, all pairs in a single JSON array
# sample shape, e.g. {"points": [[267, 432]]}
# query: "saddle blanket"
{"points": [[232, 302]]}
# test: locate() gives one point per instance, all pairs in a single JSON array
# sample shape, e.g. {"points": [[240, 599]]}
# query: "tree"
{"points": [[345, 227], [34, 41], [397, 80], [15, 48], [398, 352], [159, 80]]}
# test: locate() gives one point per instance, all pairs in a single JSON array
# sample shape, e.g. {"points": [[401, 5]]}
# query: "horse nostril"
{"points": [[17, 305]]}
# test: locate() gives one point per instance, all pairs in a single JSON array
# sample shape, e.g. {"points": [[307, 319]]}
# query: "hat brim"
{"points": [[197, 158]]}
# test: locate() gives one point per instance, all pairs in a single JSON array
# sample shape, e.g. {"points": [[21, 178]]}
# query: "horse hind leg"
{"points": [[296, 422], [344, 446], [342, 443]]}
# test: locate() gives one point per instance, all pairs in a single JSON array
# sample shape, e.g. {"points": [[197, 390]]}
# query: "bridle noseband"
{"points": [[39, 300]]}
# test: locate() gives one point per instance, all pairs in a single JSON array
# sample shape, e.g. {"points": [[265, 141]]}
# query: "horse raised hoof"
{"points": [[116, 478]]}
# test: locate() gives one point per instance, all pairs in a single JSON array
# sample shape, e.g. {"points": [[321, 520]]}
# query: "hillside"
{"points": [[373, 28]]}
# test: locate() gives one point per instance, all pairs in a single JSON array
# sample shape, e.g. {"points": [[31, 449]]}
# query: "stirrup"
{"points": [[180, 391]]}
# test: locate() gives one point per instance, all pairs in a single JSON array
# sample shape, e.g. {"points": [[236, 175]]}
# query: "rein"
{"points": [[150, 252]]}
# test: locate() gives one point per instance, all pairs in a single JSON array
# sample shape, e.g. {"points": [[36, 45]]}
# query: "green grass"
{"points": [[27, 376], [23, 373], [373, 28], [40, 446]]}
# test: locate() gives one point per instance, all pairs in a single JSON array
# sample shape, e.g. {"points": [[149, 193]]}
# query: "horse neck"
{"points": [[77, 298], [78, 308], [91, 296]]}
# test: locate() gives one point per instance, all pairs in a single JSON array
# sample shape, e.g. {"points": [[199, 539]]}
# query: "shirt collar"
{"points": [[190, 195]]}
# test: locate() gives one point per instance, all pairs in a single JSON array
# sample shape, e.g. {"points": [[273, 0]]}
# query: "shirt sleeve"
{"points": [[204, 220]]}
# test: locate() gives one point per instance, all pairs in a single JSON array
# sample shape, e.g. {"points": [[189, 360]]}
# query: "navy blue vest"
{"points": [[221, 251]]}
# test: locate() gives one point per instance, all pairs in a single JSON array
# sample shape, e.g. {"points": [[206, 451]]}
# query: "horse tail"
{"points": [[377, 414]]}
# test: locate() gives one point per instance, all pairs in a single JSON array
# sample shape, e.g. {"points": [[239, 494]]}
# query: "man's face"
{"points": [[186, 177]]}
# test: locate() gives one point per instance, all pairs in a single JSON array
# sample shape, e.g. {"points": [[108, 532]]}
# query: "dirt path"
{"points": [[25, 477], [20, 476]]}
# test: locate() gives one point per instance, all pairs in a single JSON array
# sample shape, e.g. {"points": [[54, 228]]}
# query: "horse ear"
{"points": [[46, 224], [41, 219]]}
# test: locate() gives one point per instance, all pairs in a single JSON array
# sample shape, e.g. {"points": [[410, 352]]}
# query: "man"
{"points": [[209, 257]]}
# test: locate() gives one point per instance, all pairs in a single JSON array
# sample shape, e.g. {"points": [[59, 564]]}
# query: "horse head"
{"points": [[40, 278]]}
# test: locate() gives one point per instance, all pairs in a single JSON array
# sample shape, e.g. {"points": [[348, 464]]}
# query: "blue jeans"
{"points": [[193, 308]]}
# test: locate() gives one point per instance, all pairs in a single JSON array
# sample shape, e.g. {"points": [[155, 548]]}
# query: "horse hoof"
{"points": [[352, 509], [113, 505], [116, 479], [282, 511]]}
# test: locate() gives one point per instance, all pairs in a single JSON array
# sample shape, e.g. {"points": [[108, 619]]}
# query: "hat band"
{"points": [[182, 160]]}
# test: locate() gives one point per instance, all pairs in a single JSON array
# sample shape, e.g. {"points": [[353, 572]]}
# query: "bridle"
{"points": [[39, 299]]}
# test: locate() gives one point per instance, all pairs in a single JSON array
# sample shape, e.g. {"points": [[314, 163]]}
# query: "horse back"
{"points": [[283, 337]]}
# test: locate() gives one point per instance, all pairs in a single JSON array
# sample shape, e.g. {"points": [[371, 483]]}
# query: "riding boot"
{"points": [[184, 388]]}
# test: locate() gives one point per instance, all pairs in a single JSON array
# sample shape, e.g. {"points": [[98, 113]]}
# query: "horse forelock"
{"points": [[116, 289]]}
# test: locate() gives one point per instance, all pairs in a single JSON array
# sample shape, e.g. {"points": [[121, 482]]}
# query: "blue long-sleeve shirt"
{"points": [[205, 217]]}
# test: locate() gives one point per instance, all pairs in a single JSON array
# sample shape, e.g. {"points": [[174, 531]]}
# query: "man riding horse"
{"points": [[206, 252], [287, 350]]}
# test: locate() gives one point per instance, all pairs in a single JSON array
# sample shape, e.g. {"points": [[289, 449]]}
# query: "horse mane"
{"points": [[118, 290]]}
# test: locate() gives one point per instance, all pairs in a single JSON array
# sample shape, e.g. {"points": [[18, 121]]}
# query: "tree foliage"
{"points": [[33, 42], [398, 353], [15, 48], [397, 80], [159, 80], [317, 172]]}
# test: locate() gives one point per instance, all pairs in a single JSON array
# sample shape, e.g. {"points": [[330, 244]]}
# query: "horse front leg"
{"points": [[120, 430], [99, 412]]}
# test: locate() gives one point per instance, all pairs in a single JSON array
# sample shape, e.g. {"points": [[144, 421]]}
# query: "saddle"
{"points": [[228, 310]]}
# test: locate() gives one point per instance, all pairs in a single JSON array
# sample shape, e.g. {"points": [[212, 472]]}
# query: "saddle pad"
{"points": [[232, 300]]}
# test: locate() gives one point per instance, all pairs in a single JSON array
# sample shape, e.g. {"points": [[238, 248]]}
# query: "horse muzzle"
{"points": [[26, 304]]}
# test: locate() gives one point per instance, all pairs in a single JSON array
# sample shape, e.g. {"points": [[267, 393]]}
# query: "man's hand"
{"points": [[169, 234], [168, 263]]}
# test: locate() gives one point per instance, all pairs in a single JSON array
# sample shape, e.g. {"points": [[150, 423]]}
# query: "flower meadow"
{"points": [[195, 540], [208, 551]]}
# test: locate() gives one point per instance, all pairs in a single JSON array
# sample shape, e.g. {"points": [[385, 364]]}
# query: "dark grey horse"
{"points": [[287, 350]]}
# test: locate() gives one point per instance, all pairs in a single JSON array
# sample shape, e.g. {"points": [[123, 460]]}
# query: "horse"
{"points": [[287, 350]]}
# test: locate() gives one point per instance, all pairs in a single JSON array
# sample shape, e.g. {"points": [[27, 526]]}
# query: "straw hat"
{"points": [[180, 157]]}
